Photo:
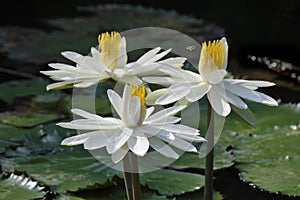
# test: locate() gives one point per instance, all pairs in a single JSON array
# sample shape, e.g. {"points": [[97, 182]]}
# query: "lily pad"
{"points": [[68, 170], [223, 159], [12, 136], [116, 192], [19, 187], [199, 195], [170, 182], [272, 149], [27, 118], [12, 89]]}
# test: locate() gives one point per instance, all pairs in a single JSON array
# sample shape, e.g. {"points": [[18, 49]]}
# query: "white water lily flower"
{"points": [[109, 61], [221, 92], [136, 130]]}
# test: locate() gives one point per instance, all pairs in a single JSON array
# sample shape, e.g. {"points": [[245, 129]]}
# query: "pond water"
{"points": [[266, 29]]}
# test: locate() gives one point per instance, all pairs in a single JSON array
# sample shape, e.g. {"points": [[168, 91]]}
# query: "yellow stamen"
{"points": [[138, 91], [215, 50], [108, 47]]}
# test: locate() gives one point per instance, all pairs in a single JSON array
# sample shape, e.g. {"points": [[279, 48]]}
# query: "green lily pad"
{"points": [[116, 192], [272, 149], [27, 118], [199, 194], [12, 89], [12, 136], [170, 182], [18, 188], [68, 170], [223, 158]]}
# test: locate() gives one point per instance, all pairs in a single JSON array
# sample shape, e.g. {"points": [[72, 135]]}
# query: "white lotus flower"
{"points": [[136, 130], [110, 61], [221, 92]]}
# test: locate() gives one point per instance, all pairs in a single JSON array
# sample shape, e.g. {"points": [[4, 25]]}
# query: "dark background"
{"points": [[268, 27]]}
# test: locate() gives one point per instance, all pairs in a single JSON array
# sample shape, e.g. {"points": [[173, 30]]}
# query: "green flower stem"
{"points": [[127, 177], [131, 177], [135, 177], [209, 161]]}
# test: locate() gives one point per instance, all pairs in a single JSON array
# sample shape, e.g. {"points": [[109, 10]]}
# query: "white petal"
{"points": [[95, 52], [191, 138], [217, 102], [91, 125], [172, 71], [250, 83], [158, 56], [141, 70], [165, 81], [267, 99], [85, 114], [63, 67], [176, 62], [250, 94], [95, 142], [120, 154], [183, 145], [165, 135], [143, 59], [153, 96], [181, 129], [73, 56], [122, 54], [235, 100], [149, 111], [217, 76], [87, 83], [172, 96], [134, 109], [116, 141], [198, 92], [206, 65], [134, 80], [225, 49], [138, 145], [167, 120], [163, 148], [80, 139], [75, 140], [160, 115], [116, 101], [58, 85]]}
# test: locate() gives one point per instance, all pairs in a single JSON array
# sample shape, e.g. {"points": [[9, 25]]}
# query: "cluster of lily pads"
{"points": [[39, 155]]}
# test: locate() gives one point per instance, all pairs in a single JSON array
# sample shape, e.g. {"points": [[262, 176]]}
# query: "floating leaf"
{"points": [[199, 195], [19, 187], [116, 192], [68, 170], [272, 149], [11, 136], [222, 159], [10, 90], [170, 182], [27, 118]]}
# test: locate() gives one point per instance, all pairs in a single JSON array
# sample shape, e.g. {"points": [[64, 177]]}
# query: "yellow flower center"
{"points": [[138, 91], [109, 47], [216, 52]]}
